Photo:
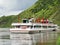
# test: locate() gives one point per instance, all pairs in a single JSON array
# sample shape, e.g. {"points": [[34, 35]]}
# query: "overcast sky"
{"points": [[13, 7]]}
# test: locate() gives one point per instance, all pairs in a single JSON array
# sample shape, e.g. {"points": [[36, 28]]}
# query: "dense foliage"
{"points": [[42, 8]]}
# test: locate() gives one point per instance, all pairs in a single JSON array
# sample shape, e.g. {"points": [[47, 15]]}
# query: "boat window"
{"points": [[25, 21], [31, 26], [44, 21], [37, 26], [27, 26], [44, 26], [51, 26], [17, 26]]}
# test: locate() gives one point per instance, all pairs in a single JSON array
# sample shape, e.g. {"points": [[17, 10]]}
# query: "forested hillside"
{"points": [[42, 8]]}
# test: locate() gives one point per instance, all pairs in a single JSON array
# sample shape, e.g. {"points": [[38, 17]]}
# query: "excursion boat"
{"points": [[33, 25]]}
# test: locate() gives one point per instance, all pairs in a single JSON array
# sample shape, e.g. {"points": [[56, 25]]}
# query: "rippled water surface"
{"points": [[25, 39]]}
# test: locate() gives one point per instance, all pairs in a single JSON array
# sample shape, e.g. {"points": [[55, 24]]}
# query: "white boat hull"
{"points": [[30, 30]]}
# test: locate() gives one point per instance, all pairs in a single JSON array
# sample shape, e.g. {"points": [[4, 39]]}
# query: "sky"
{"points": [[14, 7]]}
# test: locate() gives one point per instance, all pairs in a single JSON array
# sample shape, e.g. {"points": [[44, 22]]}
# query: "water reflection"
{"points": [[26, 39], [5, 42], [5, 36]]}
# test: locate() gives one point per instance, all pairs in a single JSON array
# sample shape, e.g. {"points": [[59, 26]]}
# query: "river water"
{"points": [[6, 38]]}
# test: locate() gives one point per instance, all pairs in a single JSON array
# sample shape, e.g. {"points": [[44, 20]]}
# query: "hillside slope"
{"points": [[42, 8]]}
